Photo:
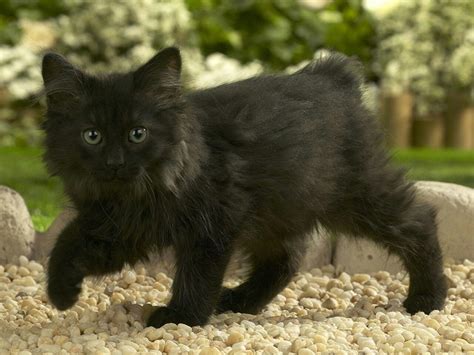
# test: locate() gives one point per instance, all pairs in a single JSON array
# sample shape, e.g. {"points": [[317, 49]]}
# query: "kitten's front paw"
{"points": [[63, 296], [165, 315]]}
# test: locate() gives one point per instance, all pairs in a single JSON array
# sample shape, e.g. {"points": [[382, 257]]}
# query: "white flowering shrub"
{"points": [[20, 65], [104, 36], [218, 69], [461, 61], [427, 47], [20, 78], [115, 35], [19, 71]]}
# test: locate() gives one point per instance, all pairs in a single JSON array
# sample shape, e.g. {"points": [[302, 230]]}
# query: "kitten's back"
{"points": [[300, 135]]}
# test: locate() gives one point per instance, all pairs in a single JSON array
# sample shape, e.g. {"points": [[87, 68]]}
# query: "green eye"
{"points": [[137, 135], [92, 136]]}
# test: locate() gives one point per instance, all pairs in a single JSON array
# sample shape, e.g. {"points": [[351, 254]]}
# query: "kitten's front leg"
{"points": [[64, 277], [74, 257], [197, 284]]}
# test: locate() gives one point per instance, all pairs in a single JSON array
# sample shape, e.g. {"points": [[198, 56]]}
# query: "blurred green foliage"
{"points": [[275, 32], [13, 10], [19, 123], [22, 170], [427, 49], [447, 165], [352, 32], [280, 33]]}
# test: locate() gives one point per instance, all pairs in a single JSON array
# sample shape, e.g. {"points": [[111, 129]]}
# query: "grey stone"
{"points": [[319, 250], [455, 220], [16, 228], [455, 205], [364, 256]]}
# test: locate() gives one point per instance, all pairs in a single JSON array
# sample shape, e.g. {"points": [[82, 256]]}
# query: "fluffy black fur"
{"points": [[254, 165]]}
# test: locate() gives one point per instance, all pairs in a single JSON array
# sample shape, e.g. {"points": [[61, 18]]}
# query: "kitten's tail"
{"points": [[344, 70]]}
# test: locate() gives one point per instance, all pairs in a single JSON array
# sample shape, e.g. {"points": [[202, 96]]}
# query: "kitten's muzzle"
{"points": [[120, 173], [114, 165], [115, 162]]}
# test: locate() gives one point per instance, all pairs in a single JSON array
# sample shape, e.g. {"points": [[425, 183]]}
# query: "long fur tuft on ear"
{"points": [[160, 76], [62, 81]]}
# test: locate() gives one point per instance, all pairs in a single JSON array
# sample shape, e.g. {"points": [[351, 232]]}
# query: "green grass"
{"points": [[455, 166], [23, 170]]}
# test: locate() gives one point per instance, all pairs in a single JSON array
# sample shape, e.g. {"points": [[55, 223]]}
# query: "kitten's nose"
{"points": [[115, 161]]}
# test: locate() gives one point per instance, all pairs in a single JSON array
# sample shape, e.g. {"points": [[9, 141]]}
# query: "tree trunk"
{"points": [[397, 118], [428, 131], [459, 121]]}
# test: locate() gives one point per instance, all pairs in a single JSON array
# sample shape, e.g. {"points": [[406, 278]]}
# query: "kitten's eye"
{"points": [[137, 135], [92, 136]]}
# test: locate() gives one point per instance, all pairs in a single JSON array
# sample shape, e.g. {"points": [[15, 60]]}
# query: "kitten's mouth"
{"points": [[118, 177]]}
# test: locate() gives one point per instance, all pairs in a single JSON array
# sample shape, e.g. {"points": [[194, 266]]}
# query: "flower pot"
{"points": [[396, 112], [428, 131], [459, 121]]}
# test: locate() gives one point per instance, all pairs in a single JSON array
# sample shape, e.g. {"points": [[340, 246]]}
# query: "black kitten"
{"points": [[254, 165]]}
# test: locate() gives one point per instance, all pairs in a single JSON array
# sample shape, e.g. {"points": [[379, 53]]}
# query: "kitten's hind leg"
{"points": [[391, 216], [272, 268]]}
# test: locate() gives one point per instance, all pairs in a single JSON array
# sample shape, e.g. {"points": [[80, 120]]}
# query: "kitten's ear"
{"points": [[54, 67], [62, 81], [160, 76]]}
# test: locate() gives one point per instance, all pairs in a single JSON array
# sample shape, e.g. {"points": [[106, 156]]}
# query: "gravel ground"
{"points": [[321, 311]]}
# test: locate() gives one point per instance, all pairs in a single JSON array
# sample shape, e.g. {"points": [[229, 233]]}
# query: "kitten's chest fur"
{"points": [[137, 224], [159, 220]]}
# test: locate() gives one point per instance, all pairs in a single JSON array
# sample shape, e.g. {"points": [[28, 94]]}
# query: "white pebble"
{"points": [[361, 278], [25, 281], [209, 350], [234, 337], [53, 348], [129, 277], [284, 346], [23, 260], [127, 349], [330, 303]]}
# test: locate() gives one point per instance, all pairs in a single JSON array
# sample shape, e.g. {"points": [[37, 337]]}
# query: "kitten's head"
{"points": [[115, 133]]}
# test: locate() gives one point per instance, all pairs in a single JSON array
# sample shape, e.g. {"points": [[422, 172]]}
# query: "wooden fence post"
{"points": [[397, 118], [428, 131], [459, 121]]}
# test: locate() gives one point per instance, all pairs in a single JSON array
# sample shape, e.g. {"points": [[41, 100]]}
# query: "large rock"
{"points": [[455, 219], [16, 228], [319, 250]]}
